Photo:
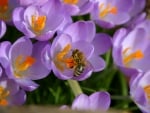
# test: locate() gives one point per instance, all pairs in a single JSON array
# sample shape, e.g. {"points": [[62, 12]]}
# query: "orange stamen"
{"points": [[136, 55], [107, 10], [113, 10], [71, 1], [3, 94], [69, 62], [60, 58], [22, 65], [3, 102], [38, 23], [147, 91]]}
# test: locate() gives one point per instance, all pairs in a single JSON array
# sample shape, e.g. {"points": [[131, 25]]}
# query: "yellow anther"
{"points": [[23, 64], [106, 10], [136, 55], [71, 1], [147, 91], [38, 23], [60, 56], [61, 61], [3, 95]]}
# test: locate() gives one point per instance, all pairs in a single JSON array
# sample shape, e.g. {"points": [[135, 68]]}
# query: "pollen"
{"points": [[62, 59], [21, 64], [3, 6], [71, 1], [147, 91], [135, 55], [38, 23], [3, 95], [108, 9]]}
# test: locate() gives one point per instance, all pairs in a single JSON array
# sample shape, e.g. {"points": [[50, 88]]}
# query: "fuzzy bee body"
{"points": [[79, 60]]}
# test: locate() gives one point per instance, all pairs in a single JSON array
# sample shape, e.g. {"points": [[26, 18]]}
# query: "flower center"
{"points": [[38, 23], [3, 6], [71, 1], [138, 55], [147, 91], [107, 9], [75, 60], [22, 64], [3, 95]]}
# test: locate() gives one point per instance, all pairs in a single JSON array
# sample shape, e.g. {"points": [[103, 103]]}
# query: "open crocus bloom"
{"points": [[39, 22], [140, 91], [96, 101], [10, 93], [75, 52], [109, 13], [77, 7], [130, 51], [23, 62]]}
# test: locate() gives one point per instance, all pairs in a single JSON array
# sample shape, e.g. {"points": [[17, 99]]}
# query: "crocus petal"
{"points": [[81, 102], [118, 19], [18, 99], [100, 101], [71, 9], [2, 28], [37, 70], [81, 31], [12, 86], [46, 60], [17, 20], [137, 7], [59, 43], [4, 49], [119, 36], [102, 43], [67, 74], [86, 7], [22, 46], [97, 63], [45, 36], [27, 84], [1, 71], [87, 49]]}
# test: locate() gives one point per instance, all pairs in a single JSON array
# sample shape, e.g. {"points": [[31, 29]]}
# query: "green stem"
{"points": [[74, 85], [108, 58], [124, 88]]}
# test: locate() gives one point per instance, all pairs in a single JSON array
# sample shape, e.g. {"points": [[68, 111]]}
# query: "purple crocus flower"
{"points": [[10, 93], [31, 2], [40, 22], [6, 8], [2, 28], [23, 62], [75, 52], [109, 13], [140, 91], [130, 51], [77, 7], [96, 101]]}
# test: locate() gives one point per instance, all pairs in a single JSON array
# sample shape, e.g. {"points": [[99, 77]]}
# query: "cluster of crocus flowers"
{"points": [[53, 41], [131, 54]]}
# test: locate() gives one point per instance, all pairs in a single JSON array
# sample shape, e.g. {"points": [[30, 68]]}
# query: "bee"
{"points": [[79, 60]]}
